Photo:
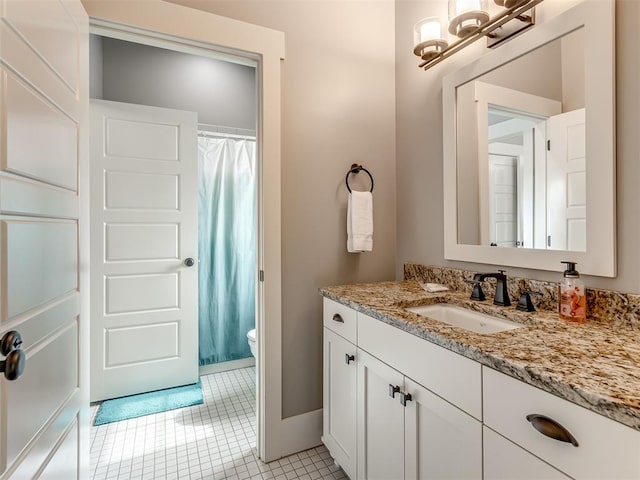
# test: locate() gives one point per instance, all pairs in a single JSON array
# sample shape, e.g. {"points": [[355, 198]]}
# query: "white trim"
{"points": [[301, 432], [226, 366], [155, 20], [597, 17]]}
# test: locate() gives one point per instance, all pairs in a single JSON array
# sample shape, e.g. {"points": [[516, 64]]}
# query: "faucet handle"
{"points": [[477, 293], [525, 304]]}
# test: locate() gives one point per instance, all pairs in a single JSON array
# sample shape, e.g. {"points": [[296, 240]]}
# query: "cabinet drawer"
{"points": [[428, 364], [504, 460], [340, 319], [606, 449]]}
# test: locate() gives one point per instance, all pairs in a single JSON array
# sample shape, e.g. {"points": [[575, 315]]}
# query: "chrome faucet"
{"points": [[502, 292]]}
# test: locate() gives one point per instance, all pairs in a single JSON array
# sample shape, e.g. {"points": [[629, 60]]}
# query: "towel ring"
{"points": [[355, 168]]}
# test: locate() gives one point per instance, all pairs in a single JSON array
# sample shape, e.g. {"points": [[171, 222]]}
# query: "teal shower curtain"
{"points": [[226, 247]]}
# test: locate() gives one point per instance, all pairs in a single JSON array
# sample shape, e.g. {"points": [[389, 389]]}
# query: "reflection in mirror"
{"points": [[521, 171], [561, 69]]}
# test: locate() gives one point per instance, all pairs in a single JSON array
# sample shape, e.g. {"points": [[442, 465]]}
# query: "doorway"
{"points": [[145, 157], [197, 31]]}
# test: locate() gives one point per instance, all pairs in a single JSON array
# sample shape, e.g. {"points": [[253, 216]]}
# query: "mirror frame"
{"points": [[597, 18]]}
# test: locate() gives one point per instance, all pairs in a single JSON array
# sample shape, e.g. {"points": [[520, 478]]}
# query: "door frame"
{"points": [[152, 22]]}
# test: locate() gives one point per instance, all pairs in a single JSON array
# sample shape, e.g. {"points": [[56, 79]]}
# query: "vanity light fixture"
{"points": [[429, 37], [469, 20], [466, 15]]}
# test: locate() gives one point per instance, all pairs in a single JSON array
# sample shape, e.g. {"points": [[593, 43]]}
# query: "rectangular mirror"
{"points": [[529, 148]]}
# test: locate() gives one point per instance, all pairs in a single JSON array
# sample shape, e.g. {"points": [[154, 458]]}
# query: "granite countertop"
{"points": [[594, 365]]}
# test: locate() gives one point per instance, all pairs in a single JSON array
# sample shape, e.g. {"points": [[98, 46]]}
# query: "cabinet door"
{"points": [[504, 460], [441, 441], [339, 413], [380, 420]]}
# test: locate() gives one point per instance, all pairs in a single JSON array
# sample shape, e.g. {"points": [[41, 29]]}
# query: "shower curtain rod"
{"points": [[206, 133], [220, 131]]}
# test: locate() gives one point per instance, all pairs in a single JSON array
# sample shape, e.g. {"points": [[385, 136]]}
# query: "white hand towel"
{"points": [[360, 222]]}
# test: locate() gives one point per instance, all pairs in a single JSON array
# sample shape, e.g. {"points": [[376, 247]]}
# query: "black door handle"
{"points": [[11, 341], [189, 262], [13, 365]]}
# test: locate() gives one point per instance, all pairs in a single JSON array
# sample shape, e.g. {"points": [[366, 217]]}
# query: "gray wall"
{"points": [[338, 107], [419, 149], [222, 93]]}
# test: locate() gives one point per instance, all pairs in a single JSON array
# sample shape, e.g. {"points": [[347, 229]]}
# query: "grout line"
{"points": [[215, 440]]}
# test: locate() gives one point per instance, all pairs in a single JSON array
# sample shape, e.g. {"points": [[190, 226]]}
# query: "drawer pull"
{"points": [[349, 358], [552, 429], [393, 389], [404, 398], [338, 318]]}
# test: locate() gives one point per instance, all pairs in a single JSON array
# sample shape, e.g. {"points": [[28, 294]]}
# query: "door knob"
{"points": [[11, 341], [13, 365], [189, 262]]}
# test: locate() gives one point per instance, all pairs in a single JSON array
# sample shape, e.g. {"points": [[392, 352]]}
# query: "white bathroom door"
{"points": [[43, 239], [144, 267], [503, 200], [566, 182]]}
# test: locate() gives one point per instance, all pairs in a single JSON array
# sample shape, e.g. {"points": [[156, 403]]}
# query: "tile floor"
{"points": [[215, 440]]}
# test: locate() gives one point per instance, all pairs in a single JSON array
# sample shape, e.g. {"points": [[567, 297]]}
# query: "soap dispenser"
{"points": [[572, 302]]}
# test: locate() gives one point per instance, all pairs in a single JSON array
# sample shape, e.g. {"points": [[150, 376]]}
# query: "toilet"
{"points": [[251, 338]]}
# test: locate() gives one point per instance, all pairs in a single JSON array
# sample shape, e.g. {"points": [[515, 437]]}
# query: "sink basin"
{"points": [[463, 318]]}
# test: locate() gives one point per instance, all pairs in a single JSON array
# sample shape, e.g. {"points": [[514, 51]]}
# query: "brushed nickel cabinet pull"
{"points": [[338, 318], [552, 429]]}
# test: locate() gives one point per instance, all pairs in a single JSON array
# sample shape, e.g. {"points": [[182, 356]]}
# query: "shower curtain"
{"points": [[226, 247]]}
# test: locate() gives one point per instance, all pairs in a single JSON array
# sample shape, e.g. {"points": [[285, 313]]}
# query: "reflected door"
{"points": [[144, 324], [566, 182], [503, 200]]}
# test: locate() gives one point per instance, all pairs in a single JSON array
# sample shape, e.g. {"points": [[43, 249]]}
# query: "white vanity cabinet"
{"points": [[397, 407], [369, 367], [404, 429], [380, 419], [601, 447], [339, 385]]}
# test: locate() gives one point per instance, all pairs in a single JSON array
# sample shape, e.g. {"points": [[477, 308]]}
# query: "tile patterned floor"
{"points": [[215, 440]]}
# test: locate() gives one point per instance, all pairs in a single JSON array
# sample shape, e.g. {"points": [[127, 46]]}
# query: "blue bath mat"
{"points": [[149, 403]]}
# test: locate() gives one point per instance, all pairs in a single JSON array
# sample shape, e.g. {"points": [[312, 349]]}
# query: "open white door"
{"points": [[144, 271], [43, 239], [566, 182]]}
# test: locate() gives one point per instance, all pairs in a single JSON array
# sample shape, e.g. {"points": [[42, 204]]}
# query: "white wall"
{"points": [[419, 147], [338, 107], [222, 93]]}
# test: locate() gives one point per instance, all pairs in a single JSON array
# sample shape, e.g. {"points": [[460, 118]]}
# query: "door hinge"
{"points": [[548, 240], [261, 275], [548, 145]]}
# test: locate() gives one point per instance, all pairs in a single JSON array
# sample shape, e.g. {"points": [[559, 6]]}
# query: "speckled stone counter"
{"points": [[595, 364]]}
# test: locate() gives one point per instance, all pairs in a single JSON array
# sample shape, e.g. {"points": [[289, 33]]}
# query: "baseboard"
{"points": [[226, 366], [301, 432]]}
